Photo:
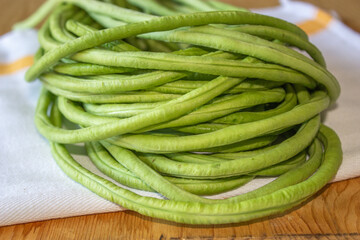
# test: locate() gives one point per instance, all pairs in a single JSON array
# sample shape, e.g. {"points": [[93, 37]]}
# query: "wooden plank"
{"points": [[348, 11], [14, 11]]}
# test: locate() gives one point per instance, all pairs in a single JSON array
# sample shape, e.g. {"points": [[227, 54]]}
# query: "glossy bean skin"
{"points": [[185, 106]]}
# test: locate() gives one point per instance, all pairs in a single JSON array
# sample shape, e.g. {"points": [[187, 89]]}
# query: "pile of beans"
{"points": [[186, 99]]}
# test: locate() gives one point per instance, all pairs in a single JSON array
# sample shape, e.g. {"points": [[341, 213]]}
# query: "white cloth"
{"points": [[32, 186]]}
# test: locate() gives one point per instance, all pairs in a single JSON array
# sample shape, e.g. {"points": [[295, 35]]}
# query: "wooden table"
{"points": [[333, 214]]}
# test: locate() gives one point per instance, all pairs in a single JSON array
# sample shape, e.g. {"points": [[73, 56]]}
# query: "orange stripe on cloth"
{"points": [[21, 63], [320, 22]]}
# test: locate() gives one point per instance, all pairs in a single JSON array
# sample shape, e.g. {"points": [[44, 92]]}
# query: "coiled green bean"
{"points": [[185, 106]]}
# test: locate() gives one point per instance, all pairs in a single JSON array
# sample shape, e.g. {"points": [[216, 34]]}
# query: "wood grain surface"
{"points": [[334, 213]]}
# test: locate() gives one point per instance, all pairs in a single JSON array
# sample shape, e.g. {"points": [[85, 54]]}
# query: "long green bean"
{"points": [[185, 106]]}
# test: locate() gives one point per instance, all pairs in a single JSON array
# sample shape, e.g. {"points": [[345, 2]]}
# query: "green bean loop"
{"points": [[185, 99]]}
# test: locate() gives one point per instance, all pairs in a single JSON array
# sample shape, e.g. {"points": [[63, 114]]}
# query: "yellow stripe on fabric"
{"points": [[21, 63], [319, 23]]}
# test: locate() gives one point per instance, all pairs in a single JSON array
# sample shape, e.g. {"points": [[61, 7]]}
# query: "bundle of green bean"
{"points": [[186, 99]]}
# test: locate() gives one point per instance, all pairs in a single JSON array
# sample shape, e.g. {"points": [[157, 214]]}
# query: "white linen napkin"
{"points": [[32, 186]]}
